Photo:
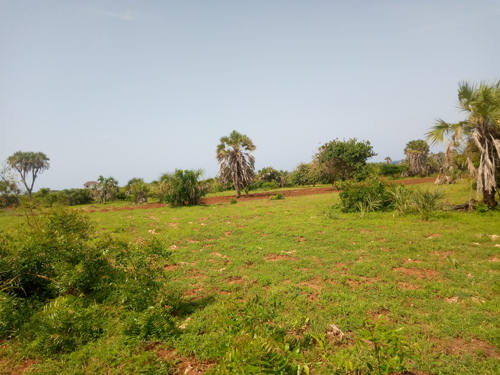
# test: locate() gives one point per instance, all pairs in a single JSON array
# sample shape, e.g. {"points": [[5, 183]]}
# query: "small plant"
{"points": [[388, 350], [331, 212], [233, 201], [481, 208], [371, 205], [277, 197]]}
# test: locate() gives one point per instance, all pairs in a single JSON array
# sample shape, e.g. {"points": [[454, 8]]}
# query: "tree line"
{"points": [[473, 148]]}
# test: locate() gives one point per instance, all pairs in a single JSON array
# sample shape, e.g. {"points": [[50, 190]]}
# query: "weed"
{"points": [[278, 196], [389, 352]]}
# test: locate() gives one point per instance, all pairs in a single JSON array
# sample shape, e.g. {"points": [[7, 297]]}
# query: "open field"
{"points": [[261, 271]]}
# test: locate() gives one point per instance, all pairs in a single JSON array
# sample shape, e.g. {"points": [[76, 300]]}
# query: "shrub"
{"points": [[392, 170], [183, 187], [371, 194], [59, 284], [73, 197], [407, 200], [63, 325], [54, 258]]}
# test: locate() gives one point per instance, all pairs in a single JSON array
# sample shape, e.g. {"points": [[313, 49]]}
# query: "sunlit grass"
{"points": [[438, 279]]}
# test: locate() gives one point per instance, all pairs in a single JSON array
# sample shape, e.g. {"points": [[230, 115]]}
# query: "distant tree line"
{"points": [[473, 149]]}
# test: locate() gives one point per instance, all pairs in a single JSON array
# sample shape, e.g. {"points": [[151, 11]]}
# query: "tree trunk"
{"points": [[489, 198], [238, 192]]}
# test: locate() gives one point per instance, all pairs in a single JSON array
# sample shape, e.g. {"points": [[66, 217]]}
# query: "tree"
{"points": [[28, 165], [137, 190], [481, 129], [416, 157], [105, 189], [344, 159], [8, 187], [183, 187], [271, 175], [388, 160], [236, 163]]}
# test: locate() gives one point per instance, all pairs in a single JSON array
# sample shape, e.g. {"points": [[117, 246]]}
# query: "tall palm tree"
{"points": [[481, 129], [236, 162], [416, 157]]}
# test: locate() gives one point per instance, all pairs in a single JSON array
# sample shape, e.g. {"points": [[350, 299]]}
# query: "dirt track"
{"points": [[261, 195]]}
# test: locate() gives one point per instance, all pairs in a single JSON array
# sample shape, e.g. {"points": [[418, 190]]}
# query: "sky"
{"points": [[139, 88]]}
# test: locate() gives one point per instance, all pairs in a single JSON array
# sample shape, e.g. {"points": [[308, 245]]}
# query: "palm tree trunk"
{"points": [[238, 191], [489, 198]]}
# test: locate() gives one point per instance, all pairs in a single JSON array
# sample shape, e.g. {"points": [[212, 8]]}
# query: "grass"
{"points": [[276, 270]]}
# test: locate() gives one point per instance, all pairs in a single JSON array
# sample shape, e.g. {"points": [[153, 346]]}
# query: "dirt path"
{"points": [[260, 195]]}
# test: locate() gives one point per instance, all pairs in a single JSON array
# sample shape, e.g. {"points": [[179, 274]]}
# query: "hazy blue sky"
{"points": [[137, 88]]}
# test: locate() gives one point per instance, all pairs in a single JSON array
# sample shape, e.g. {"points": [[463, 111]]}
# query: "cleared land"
{"points": [[283, 265]]}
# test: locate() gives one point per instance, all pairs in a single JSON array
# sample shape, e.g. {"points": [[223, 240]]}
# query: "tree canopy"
{"points": [[236, 162], [344, 159], [29, 165]]}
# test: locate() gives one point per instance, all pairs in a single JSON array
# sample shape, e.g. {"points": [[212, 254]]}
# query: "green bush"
{"points": [[73, 197], [371, 193], [183, 187], [392, 170], [54, 258], [63, 325], [58, 282], [407, 200]]}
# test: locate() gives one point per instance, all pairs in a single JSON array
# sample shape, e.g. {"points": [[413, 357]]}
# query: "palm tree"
{"points": [[388, 160], [105, 189], [235, 160], [481, 129], [416, 157]]}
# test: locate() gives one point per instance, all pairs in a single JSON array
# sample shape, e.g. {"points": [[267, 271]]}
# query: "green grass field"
{"points": [[266, 280]]}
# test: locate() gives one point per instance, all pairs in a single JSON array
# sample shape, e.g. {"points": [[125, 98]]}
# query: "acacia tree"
{"points": [[344, 159], [416, 157], [481, 128], [236, 163], [28, 165]]}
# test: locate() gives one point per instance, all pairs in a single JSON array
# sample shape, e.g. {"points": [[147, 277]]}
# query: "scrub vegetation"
{"points": [[275, 286], [365, 276]]}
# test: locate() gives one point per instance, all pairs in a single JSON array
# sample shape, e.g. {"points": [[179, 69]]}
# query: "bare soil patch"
{"points": [[419, 273], [460, 347], [274, 258]]}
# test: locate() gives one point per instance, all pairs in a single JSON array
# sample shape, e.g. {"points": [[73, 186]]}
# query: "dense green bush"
{"points": [[73, 197], [371, 194], [183, 187], [59, 283], [392, 170]]}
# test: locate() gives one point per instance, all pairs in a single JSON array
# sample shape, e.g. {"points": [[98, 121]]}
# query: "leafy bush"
{"points": [[277, 196], [54, 258], [183, 187], [372, 194], [73, 197], [57, 281], [392, 170], [63, 325]]}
